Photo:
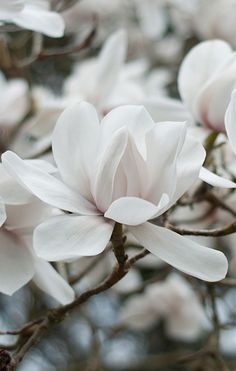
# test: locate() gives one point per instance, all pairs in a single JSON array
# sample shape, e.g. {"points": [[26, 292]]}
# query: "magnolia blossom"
{"points": [[126, 169], [206, 79], [14, 103], [33, 15], [172, 300], [20, 212], [107, 82]]}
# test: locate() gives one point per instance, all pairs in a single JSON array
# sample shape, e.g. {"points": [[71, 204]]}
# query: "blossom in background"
{"points": [[206, 79], [107, 82], [20, 213], [33, 15], [126, 169], [14, 102], [172, 300]]}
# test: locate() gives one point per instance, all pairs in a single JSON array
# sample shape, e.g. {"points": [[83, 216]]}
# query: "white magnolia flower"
{"points": [[107, 82], [33, 15], [126, 169], [20, 213], [206, 79], [172, 300], [14, 102]]}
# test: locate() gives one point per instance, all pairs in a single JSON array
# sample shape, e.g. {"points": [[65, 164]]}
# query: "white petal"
{"points": [[69, 236], [189, 164], [212, 102], [135, 118], [14, 102], [110, 61], [36, 19], [215, 180], [198, 67], [3, 215], [45, 186], [166, 109], [48, 280], [132, 210], [182, 253], [107, 168], [230, 121], [164, 143], [74, 143], [16, 263]]}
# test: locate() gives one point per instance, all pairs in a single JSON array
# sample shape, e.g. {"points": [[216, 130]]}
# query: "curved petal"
{"points": [[39, 20], [16, 264], [132, 210], [199, 66], [135, 118], [69, 236], [74, 143], [107, 168], [215, 180], [213, 99], [45, 186], [189, 164], [230, 121], [182, 253], [110, 61], [48, 280], [164, 143]]}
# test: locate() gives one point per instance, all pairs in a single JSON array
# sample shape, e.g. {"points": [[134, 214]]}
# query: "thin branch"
{"points": [[217, 232]]}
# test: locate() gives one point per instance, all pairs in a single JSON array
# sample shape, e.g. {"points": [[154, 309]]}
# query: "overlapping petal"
{"points": [[77, 132], [134, 210], [200, 64], [16, 264], [75, 236], [48, 280], [45, 186], [230, 121]]}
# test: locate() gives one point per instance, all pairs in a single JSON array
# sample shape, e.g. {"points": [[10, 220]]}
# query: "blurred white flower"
{"points": [[14, 102], [172, 300], [207, 20], [33, 15], [11, 6], [20, 213], [109, 173], [206, 79], [107, 82]]}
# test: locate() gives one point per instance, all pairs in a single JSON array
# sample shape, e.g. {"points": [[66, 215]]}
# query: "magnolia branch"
{"points": [[38, 327]]}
